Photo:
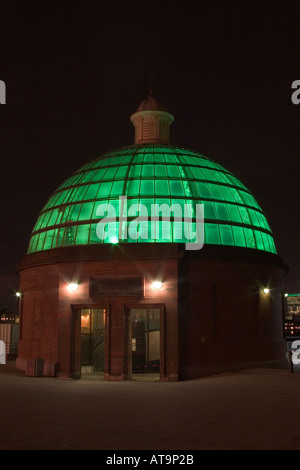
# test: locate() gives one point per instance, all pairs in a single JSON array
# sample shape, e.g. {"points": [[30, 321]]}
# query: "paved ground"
{"points": [[251, 409]]}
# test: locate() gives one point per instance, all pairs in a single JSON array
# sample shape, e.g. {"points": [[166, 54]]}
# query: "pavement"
{"points": [[255, 409]]}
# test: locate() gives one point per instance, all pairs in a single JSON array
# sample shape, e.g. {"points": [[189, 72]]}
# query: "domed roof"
{"points": [[148, 174], [152, 103]]}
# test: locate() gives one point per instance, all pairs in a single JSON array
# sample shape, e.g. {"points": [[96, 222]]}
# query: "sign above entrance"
{"points": [[107, 287]]}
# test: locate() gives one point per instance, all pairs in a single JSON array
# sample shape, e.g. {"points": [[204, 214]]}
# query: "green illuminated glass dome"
{"points": [[151, 172]]}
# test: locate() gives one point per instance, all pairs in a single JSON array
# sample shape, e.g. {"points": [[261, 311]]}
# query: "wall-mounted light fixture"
{"points": [[157, 285], [73, 286], [18, 294], [266, 290]]}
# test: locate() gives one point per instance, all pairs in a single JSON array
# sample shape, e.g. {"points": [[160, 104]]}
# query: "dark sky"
{"points": [[76, 71]]}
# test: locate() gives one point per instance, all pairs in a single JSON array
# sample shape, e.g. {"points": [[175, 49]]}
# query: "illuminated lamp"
{"points": [[73, 286], [266, 290], [157, 284]]}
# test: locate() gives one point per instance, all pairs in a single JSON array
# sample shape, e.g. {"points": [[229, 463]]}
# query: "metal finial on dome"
{"points": [[151, 90]]}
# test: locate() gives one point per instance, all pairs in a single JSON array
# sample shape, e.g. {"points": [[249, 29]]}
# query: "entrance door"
{"points": [[145, 337], [92, 339]]}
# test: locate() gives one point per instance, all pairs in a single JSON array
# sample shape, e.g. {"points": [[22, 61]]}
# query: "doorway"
{"points": [[145, 356], [92, 340]]}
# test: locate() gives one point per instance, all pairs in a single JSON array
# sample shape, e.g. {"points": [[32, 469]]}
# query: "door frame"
{"points": [[128, 335], [75, 353]]}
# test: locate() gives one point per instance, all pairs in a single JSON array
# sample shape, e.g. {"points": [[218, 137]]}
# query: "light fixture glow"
{"points": [[73, 286], [113, 240], [266, 290], [18, 294], [157, 284], [286, 295]]}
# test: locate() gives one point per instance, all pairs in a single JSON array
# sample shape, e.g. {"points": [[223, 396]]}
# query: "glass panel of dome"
{"points": [[177, 202], [69, 237], [115, 204], [46, 219], [60, 237], [79, 195], [91, 191], [126, 160], [86, 211], [261, 219], [222, 211], [53, 217], [104, 189], [173, 171], [110, 173], [160, 171], [147, 170], [236, 195], [133, 187], [138, 158], [203, 189], [82, 234], [244, 215], [235, 215], [95, 209], [162, 188], [228, 196], [117, 188], [212, 235], [122, 172], [158, 158], [265, 241], [178, 232], [249, 236], [216, 192], [98, 175], [210, 175], [59, 217], [259, 240], [60, 198], [238, 235], [65, 212], [209, 210], [197, 173], [135, 171], [147, 203], [39, 223], [187, 189], [40, 241], [253, 217], [74, 211], [220, 177], [170, 158], [48, 239], [148, 158], [177, 189], [226, 234], [88, 176], [147, 188]]}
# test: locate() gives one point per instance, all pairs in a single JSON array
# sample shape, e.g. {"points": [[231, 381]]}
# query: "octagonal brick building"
{"points": [[111, 286]]}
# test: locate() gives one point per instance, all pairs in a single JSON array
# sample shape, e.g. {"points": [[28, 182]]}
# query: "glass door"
{"points": [[145, 337], [92, 339]]}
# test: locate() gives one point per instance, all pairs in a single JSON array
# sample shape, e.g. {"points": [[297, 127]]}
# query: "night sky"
{"points": [[76, 71]]}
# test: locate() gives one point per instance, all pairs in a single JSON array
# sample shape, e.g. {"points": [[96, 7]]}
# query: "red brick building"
{"points": [[111, 287]]}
